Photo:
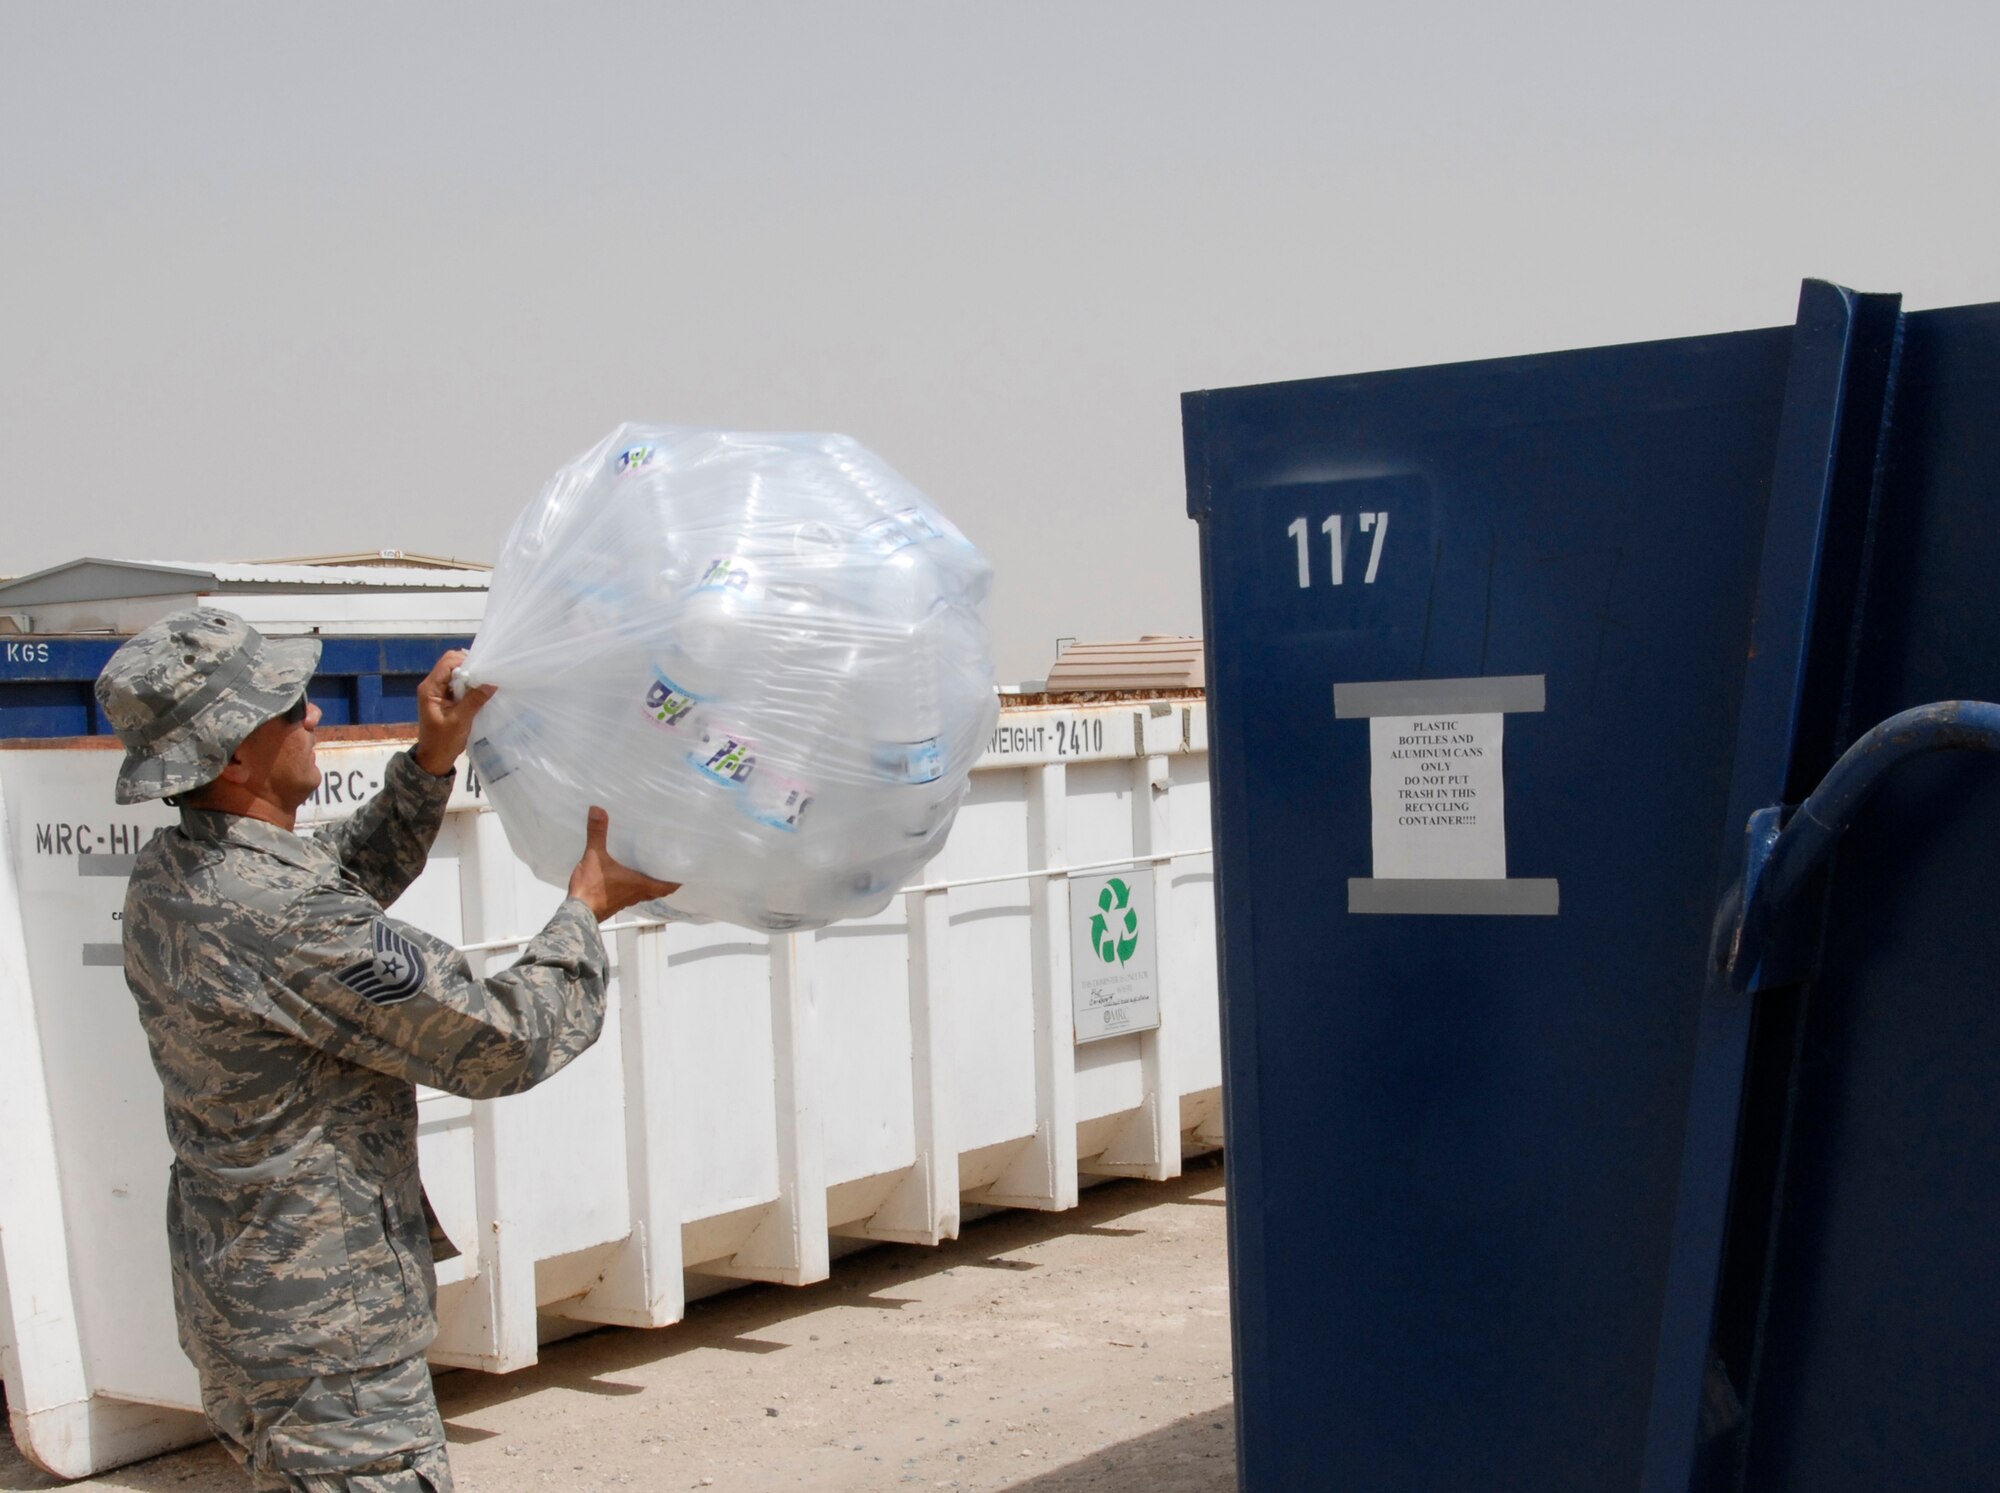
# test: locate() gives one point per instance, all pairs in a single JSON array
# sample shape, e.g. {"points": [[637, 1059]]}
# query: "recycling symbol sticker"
{"points": [[1114, 927], [1113, 958]]}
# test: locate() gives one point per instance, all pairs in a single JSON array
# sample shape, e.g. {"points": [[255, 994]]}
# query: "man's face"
{"points": [[280, 759]]}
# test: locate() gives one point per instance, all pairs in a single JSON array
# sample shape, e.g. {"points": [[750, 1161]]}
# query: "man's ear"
{"points": [[235, 770]]}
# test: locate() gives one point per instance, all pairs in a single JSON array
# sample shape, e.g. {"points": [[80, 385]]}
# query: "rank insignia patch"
{"points": [[395, 973]]}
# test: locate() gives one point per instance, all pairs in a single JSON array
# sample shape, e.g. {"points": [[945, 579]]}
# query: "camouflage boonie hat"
{"points": [[183, 693]]}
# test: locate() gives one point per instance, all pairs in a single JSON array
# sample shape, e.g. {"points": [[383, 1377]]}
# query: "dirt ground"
{"points": [[1039, 1353]]}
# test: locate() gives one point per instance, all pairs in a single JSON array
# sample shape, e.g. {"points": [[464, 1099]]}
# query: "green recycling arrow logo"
{"points": [[1111, 901]]}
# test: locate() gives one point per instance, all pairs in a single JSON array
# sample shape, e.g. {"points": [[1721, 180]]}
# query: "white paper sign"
{"points": [[1114, 968], [1440, 805]]}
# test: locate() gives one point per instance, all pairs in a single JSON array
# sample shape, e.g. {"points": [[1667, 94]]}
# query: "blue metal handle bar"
{"points": [[1780, 860]]}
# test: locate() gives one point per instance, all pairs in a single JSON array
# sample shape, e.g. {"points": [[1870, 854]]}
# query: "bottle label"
{"points": [[667, 703], [725, 573], [910, 761], [724, 757], [779, 802], [906, 526], [488, 763]]}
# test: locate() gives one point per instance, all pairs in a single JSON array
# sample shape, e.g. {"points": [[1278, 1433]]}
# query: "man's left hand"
{"points": [[444, 724]]}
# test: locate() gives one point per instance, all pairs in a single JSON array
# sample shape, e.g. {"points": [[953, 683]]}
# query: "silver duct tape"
{"points": [[1514, 896], [1494, 695]]}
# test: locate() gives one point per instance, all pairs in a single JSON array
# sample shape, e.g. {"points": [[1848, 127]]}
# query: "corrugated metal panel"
{"points": [[397, 577], [375, 559], [1150, 663], [100, 579]]}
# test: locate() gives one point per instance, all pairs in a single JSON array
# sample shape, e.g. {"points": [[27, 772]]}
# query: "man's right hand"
{"points": [[444, 720], [602, 884]]}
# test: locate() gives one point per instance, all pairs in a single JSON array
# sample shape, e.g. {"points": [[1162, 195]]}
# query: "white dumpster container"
{"points": [[751, 1096]]}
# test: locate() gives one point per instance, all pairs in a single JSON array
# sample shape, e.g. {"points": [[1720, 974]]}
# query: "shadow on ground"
{"points": [[870, 1280], [1193, 1455], [731, 1323]]}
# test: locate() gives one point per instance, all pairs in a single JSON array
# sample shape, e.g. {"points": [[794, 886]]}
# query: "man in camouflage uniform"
{"points": [[290, 1020]]}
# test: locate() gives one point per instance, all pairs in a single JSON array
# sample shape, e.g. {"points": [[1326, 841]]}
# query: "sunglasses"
{"points": [[296, 714]]}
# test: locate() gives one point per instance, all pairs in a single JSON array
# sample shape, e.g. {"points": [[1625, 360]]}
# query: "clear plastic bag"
{"points": [[764, 655]]}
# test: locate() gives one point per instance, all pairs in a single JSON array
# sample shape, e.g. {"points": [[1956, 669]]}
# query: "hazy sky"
{"points": [[278, 279]]}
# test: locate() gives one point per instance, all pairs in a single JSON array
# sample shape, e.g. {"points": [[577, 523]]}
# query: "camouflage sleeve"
{"points": [[384, 844], [381, 993]]}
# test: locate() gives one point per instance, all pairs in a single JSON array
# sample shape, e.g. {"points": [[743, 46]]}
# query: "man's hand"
{"points": [[602, 884], [444, 725]]}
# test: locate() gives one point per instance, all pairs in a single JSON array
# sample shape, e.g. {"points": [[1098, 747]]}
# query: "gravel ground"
{"points": [[1039, 1353]]}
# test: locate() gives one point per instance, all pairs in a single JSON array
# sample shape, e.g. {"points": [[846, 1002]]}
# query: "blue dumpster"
{"points": [[1568, 1148], [46, 682]]}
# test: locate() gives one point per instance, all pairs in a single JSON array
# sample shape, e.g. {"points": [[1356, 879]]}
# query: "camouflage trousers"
{"points": [[371, 1431]]}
